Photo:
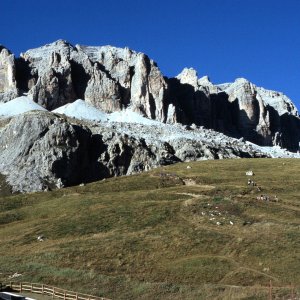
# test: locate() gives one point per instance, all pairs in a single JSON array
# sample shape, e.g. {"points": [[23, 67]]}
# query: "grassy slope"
{"points": [[152, 237]]}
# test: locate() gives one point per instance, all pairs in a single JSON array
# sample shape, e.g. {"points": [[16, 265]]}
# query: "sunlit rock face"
{"points": [[107, 77], [8, 85], [141, 84]]}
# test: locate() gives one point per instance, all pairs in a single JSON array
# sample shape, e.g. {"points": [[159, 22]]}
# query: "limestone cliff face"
{"points": [[48, 79], [107, 77], [140, 82], [8, 84], [262, 115], [239, 109], [253, 117], [112, 79]]}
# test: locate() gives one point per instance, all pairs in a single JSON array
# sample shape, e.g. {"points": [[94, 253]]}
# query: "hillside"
{"points": [[170, 233], [113, 79]]}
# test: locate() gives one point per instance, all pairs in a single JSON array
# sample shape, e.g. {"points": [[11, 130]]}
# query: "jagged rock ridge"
{"points": [[42, 150], [107, 77], [112, 79], [238, 109]]}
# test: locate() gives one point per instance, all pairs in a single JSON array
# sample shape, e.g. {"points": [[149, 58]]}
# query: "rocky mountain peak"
{"points": [[5, 50], [241, 81], [209, 87], [109, 78], [106, 53], [188, 76], [280, 102], [205, 79], [45, 52]]}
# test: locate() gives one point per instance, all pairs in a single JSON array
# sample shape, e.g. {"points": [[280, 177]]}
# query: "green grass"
{"points": [[5, 189], [150, 236]]}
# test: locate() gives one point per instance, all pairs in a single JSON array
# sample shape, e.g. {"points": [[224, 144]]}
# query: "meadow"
{"points": [[192, 230]]}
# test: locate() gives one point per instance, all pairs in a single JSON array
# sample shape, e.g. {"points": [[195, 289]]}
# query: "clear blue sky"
{"points": [[225, 39]]}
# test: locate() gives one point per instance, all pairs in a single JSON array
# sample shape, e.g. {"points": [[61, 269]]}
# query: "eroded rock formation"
{"points": [[112, 79], [107, 77], [8, 84], [41, 151]]}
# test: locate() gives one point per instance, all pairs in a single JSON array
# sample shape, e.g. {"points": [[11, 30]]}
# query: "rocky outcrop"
{"points": [[192, 98], [112, 79], [261, 115], [42, 151], [107, 77], [8, 85], [47, 75], [141, 83], [239, 109]]}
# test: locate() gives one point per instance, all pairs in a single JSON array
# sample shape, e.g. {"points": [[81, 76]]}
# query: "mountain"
{"points": [[93, 112]]}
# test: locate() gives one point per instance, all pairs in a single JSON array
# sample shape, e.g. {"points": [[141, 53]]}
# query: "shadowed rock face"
{"points": [[240, 109], [112, 78], [41, 151]]}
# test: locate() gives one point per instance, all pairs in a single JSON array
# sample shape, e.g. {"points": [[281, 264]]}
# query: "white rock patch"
{"points": [[18, 106]]}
